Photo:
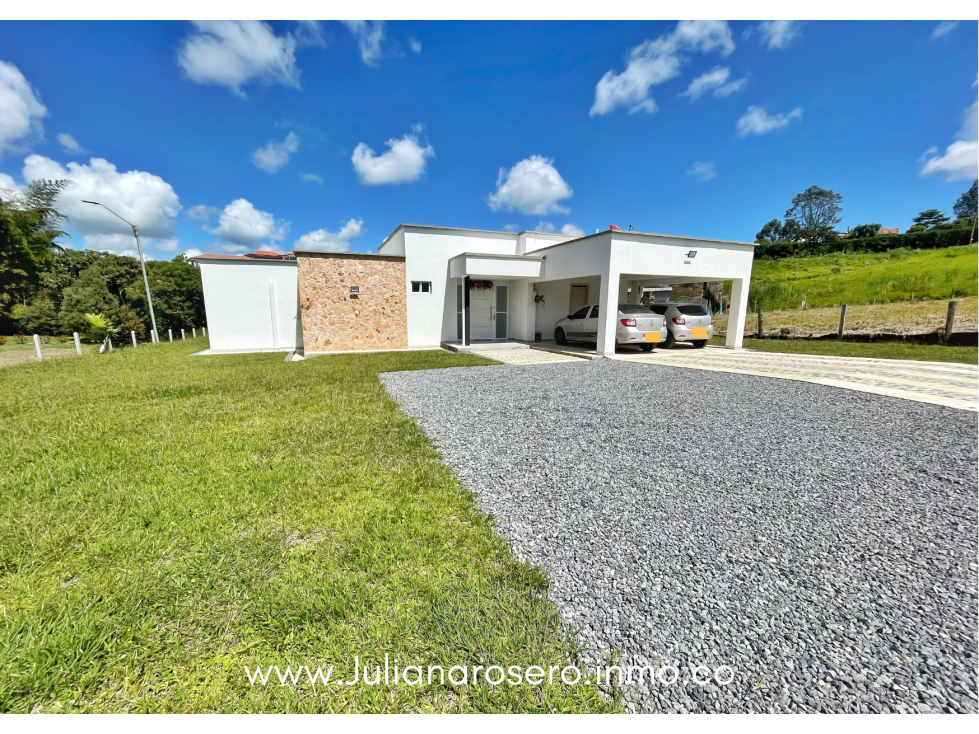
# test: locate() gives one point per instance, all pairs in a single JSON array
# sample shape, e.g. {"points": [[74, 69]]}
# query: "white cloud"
{"points": [[404, 162], [311, 178], [756, 121], [944, 28], [202, 212], [961, 158], [415, 44], [69, 143], [232, 53], [731, 87], [369, 34], [703, 170], [20, 109], [573, 230], [511, 227], [275, 154], [779, 33], [708, 80], [7, 183], [322, 240], [243, 226], [654, 62], [544, 227], [533, 186], [192, 252], [142, 198]]}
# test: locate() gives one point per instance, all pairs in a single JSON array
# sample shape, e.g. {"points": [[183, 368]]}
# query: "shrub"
{"points": [[20, 338], [3, 340], [937, 237]]}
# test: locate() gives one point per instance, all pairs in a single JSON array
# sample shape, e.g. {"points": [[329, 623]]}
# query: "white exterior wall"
{"points": [[252, 304]]}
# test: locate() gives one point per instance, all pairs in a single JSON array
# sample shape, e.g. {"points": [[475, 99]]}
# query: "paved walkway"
{"points": [[525, 356], [941, 383]]}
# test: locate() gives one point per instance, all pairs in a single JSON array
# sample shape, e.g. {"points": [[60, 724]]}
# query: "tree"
{"points": [[864, 230], [178, 295], [929, 219], [965, 207], [774, 231], [816, 213], [87, 294]]}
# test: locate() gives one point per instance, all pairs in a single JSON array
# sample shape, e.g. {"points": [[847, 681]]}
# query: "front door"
{"points": [[481, 312], [579, 297], [502, 298]]}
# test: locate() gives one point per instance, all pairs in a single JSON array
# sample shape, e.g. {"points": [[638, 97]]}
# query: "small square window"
{"points": [[421, 286]]}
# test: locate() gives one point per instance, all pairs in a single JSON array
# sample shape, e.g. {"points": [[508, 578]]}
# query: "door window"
{"points": [[594, 312], [581, 313]]}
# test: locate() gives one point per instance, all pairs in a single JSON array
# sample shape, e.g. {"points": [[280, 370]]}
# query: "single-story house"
{"points": [[429, 286]]}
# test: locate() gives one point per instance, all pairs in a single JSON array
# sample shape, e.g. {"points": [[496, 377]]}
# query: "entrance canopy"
{"points": [[496, 267]]}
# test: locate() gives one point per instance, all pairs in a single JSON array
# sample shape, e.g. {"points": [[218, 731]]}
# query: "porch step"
{"points": [[483, 346], [567, 351]]}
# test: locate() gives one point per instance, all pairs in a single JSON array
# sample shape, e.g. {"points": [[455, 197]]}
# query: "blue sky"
{"points": [[228, 138]]}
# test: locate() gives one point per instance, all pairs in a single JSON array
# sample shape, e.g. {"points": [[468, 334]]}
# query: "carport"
{"points": [[609, 263]]}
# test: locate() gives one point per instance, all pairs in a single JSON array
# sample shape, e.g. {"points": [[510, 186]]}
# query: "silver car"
{"points": [[636, 325], [686, 322]]}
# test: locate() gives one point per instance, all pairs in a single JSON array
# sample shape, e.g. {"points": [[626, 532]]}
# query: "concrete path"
{"points": [[525, 356], [940, 383]]}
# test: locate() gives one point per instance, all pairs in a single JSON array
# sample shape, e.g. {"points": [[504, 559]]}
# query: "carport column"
{"points": [[608, 311], [465, 311], [736, 315]]}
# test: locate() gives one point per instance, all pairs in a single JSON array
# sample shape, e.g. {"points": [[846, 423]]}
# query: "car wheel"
{"points": [[700, 343], [646, 347], [560, 337], [670, 340]]}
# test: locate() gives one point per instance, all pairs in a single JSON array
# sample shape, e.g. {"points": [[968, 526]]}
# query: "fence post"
{"points": [[78, 345], [133, 334], [183, 335], [949, 321], [109, 339], [170, 332], [839, 334], [761, 327], [37, 347], [194, 331], [204, 329]]}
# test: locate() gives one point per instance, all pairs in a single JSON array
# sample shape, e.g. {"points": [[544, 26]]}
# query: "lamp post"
{"points": [[142, 264]]}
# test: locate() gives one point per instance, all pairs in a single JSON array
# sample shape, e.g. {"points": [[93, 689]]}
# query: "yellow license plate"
{"points": [[652, 337], [698, 332]]}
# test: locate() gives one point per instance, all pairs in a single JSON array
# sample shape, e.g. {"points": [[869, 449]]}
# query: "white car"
{"points": [[686, 322], [636, 325]]}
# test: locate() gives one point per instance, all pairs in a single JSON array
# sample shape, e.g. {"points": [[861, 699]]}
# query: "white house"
{"points": [[429, 286]]}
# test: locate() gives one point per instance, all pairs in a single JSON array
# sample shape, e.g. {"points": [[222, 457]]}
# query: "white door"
{"points": [[579, 297], [481, 305]]}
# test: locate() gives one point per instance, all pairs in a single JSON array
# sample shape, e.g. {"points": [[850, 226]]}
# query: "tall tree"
{"points": [[816, 213], [929, 219], [965, 207], [864, 230]]}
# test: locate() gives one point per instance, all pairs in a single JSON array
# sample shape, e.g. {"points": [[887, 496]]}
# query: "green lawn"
{"points": [[873, 350], [167, 520], [897, 275]]}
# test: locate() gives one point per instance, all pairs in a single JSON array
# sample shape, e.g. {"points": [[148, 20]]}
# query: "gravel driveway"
{"points": [[820, 542]]}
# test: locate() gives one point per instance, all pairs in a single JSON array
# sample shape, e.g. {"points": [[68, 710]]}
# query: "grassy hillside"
{"points": [[899, 275]]}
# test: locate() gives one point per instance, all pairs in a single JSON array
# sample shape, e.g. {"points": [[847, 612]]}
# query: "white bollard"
{"points": [[204, 329], [183, 335], [37, 347], [170, 332], [110, 344], [194, 330], [133, 334], [78, 345]]}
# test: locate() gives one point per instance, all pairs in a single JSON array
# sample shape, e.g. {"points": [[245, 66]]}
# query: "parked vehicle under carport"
{"points": [[637, 326], [685, 322]]}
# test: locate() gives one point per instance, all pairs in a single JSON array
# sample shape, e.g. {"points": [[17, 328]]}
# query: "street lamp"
{"points": [[142, 264]]}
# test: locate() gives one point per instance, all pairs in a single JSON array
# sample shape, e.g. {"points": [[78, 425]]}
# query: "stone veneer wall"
{"points": [[334, 319]]}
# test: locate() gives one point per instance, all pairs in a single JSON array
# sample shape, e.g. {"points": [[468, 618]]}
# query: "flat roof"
{"points": [[572, 239]]}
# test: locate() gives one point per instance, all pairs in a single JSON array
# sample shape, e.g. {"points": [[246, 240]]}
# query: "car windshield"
{"points": [[690, 310], [632, 308]]}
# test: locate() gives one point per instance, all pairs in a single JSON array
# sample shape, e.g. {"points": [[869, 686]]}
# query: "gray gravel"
{"points": [[820, 542]]}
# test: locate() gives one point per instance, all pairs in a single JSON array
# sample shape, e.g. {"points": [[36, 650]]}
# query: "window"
{"points": [[421, 286], [631, 308], [661, 310], [692, 310], [594, 313], [581, 313]]}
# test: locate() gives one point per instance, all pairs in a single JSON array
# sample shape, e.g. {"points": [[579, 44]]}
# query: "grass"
{"points": [[167, 520], [898, 275], [871, 350], [919, 317]]}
